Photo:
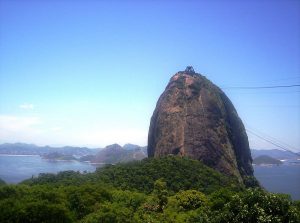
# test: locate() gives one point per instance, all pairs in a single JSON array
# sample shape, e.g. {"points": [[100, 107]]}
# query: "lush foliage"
{"points": [[106, 196], [178, 173], [2, 182]]}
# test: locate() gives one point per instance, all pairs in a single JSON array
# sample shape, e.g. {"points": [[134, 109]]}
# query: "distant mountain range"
{"points": [[31, 149], [110, 154], [113, 153], [276, 154]]}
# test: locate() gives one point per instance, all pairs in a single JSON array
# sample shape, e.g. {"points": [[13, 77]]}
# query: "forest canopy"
{"points": [[169, 189]]}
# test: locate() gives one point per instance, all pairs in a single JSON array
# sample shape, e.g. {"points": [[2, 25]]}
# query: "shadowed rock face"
{"points": [[194, 118]]}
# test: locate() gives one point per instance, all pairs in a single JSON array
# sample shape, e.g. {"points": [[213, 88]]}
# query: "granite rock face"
{"points": [[117, 154], [194, 118]]}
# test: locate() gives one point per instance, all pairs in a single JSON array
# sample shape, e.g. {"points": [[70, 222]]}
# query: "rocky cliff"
{"points": [[194, 118], [115, 154]]}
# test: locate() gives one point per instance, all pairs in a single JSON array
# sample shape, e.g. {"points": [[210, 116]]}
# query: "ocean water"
{"points": [[14, 169], [280, 179]]}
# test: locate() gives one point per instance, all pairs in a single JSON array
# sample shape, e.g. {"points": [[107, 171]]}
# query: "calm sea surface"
{"points": [[280, 179], [14, 169]]}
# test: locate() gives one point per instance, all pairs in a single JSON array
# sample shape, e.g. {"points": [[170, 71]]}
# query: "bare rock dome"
{"points": [[194, 118]]}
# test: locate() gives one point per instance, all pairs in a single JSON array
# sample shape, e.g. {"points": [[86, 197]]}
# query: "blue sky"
{"points": [[89, 73]]}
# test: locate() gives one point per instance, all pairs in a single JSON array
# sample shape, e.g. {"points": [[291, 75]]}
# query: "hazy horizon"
{"points": [[89, 73]]}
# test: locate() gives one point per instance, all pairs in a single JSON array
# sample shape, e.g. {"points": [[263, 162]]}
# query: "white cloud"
{"points": [[19, 128], [56, 129], [15, 123], [26, 106]]}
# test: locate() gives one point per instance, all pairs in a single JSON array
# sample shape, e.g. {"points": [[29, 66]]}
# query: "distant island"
{"points": [[266, 160], [275, 153], [58, 156]]}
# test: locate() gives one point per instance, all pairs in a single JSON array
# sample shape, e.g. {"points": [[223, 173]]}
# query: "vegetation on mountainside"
{"points": [[178, 173], [169, 189], [264, 159], [2, 182]]}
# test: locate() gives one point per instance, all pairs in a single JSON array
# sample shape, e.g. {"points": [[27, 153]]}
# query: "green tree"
{"points": [[33, 212], [109, 213], [2, 182], [191, 199], [83, 199], [219, 198], [256, 205], [160, 191]]}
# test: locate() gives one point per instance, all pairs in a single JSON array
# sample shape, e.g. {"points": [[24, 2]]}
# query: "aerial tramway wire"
{"points": [[269, 141], [272, 141], [263, 87], [277, 141]]}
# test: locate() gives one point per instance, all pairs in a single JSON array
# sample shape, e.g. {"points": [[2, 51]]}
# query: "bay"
{"points": [[280, 178], [14, 169]]}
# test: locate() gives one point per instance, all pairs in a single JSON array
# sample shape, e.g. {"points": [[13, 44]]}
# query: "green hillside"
{"points": [[2, 182], [178, 173], [169, 189]]}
